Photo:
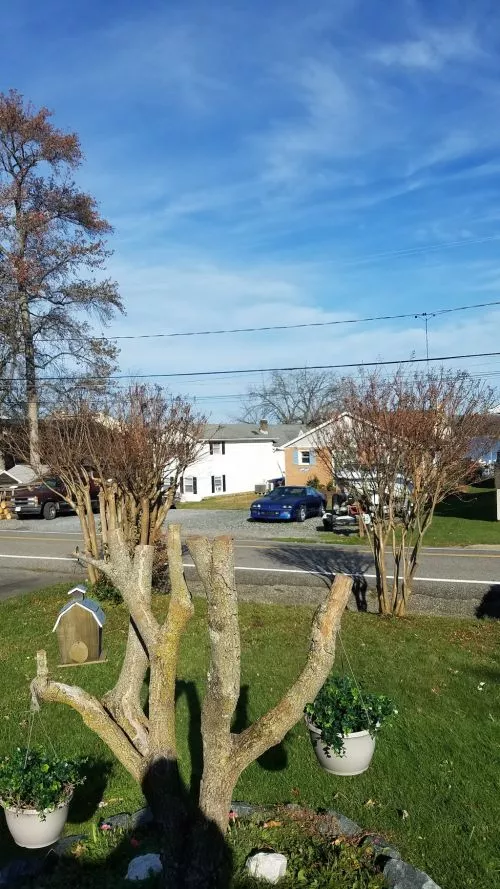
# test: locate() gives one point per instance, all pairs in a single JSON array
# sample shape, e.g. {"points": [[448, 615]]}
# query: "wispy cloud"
{"points": [[431, 51]]}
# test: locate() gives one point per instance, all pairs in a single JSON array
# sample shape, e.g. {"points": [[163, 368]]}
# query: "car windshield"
{"points": [[284, 493]]}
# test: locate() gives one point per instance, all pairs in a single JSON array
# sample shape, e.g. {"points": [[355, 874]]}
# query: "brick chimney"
{"points": [[264, 427]]}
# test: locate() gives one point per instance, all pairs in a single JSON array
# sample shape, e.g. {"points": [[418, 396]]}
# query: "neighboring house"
{"points": [[237, 457], [303, 458]]}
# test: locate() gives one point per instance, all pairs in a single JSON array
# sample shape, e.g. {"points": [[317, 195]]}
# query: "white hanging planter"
{"points": [[359, 748], [32, 831]]}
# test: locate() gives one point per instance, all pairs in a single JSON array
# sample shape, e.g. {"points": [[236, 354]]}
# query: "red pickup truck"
{"points": [[44, 497]]}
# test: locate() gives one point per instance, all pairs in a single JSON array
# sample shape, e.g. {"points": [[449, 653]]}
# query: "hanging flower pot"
{"points": [[358, 749], [35, 793], [343, 722]]}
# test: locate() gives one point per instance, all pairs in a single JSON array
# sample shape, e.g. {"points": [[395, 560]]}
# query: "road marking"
{"points": [[282, 571], [40, 558]]}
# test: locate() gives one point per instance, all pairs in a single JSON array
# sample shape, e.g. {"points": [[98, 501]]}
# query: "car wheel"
{"points": [[49, 511], [302, 514]]}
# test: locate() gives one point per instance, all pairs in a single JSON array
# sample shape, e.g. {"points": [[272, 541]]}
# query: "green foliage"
{"points": [[313, 482], [104, 590], [313, 862], [32, 779], [341, 707]]}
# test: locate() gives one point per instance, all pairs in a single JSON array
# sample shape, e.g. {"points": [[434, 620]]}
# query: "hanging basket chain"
{"points": [[344, 653]]}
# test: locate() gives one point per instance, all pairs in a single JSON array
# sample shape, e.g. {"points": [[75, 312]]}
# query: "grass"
{"points": [[223, 501], [438, 762], [466, 519]]}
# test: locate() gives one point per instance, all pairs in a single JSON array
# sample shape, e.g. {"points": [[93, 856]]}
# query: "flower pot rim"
{"points": [[314, 728], [22, 810]]}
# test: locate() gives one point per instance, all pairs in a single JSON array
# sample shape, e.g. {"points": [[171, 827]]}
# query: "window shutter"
{"points": [[223, 481], [223, 447], [181, 485], [211, 448], [213, 484], [312, 457], [296, 456], [195, 485]]}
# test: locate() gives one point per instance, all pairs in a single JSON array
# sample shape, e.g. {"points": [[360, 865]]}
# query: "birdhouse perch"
{"points": [[79, 630]]}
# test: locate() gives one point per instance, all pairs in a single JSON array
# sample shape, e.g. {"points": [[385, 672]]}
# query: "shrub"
{"points": [[313, 482], [32, 779], [104, 590], [340, 707]]}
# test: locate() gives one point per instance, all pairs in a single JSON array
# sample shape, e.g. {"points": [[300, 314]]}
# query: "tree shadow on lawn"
{"points": [[490, 603], [326, 563], [274, 760], [470, 505]]}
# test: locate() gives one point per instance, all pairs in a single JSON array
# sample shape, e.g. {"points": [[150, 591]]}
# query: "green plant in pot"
{"points": [[35, 792], [343, 722]]}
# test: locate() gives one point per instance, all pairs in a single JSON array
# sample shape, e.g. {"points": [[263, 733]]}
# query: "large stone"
{"points": [[400, 875], [267, 866], [347, 827], [144, 866]]}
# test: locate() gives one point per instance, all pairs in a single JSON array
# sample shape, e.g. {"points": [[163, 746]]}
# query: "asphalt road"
{"points": [[34, 554]]}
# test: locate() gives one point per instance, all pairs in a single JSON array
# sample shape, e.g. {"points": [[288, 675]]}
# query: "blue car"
{"points": [[291, 502]]}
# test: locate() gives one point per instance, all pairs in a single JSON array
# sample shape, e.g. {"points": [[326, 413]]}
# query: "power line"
{"points": [[434, 313], [239, 372], [189, 333]]}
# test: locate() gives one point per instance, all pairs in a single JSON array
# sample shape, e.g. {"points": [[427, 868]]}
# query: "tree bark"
{"points": [[31, 382]]}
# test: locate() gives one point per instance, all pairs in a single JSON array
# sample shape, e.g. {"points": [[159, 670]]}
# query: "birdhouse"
{"points": [[79, 629]]}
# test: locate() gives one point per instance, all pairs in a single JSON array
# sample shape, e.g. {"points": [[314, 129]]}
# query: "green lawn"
{"points": [[223, 501], [439, 762]]}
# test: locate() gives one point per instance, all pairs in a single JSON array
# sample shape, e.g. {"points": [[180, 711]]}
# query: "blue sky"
{"points": [[284, 162]]}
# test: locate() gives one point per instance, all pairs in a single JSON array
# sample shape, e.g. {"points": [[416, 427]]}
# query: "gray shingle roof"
{"points": [[22, 474], [88, 604], [279, 433]]}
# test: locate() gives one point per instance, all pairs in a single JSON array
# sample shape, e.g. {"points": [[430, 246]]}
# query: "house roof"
{"points": [[22, 474], [302, 433], [278, 433], [88, 605]]}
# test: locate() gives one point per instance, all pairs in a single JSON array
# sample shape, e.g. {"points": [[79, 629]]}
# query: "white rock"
{"points": [[143, 866], [268, 866]]}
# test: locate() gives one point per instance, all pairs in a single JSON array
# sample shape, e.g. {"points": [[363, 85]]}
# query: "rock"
{"points": [[381, 848], [64, 844], [244, 810], [400, 875], [347, 827], [144, 866], [142, 818], [268, 866]]}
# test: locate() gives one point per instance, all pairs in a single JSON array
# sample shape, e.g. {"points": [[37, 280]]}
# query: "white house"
{"points": [[237, 457]]}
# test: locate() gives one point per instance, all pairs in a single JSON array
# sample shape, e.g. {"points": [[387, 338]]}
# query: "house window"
{"points": [[305, 458], [190, 484], [217, 447], [218, 484]]}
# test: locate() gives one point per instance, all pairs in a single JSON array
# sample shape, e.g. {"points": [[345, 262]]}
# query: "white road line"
{"points": [[279, 571]]}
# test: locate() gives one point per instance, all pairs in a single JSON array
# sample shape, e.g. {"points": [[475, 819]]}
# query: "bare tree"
{"points": [[303, 396], [51, 236], [401, 445], [133, 494]]}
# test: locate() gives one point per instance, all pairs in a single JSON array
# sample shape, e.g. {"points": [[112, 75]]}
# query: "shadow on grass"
{"points": [[326, 563], [273, 760], [87, 797], [472, 505], [490, 603]]}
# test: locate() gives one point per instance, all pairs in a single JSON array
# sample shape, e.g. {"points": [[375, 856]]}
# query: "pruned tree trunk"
{"points": [[193, 845]]}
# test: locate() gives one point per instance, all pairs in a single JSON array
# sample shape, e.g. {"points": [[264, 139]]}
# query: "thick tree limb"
{"points": [[271, 728], [124, 700], [92, 713], [165, 654]]}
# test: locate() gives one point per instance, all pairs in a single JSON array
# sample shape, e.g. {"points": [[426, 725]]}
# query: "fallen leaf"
{"points": [[370, 803], [404, 814], [272, 824]]}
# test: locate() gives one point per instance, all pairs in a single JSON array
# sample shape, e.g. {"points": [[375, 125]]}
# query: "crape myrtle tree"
{"points": [[129, 453], [52, 254], [402, 444]]}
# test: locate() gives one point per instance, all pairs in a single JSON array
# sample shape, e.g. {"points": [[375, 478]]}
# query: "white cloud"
{"points": [[431, 51]]}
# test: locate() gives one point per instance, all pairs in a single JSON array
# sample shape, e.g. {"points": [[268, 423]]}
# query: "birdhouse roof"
{"points": [[88, 605]]}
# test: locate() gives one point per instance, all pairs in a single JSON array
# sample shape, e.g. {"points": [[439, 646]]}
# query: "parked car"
{"points": [[290, 502], [44, 497]]}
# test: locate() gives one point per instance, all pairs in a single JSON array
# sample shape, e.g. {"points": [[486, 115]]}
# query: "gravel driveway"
{"points": [[202, 521]]}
